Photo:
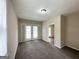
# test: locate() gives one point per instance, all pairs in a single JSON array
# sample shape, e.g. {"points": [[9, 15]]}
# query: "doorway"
{"points": [[51, 34], [31, 32]]}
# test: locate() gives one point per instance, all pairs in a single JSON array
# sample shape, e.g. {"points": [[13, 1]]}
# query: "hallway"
{"points": [[39, 49]]}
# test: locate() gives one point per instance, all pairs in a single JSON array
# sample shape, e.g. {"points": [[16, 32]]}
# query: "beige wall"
{"points": [[63, 34], [12, 29], [23, 22], [57, 24], [72, 30], [66, 30]]}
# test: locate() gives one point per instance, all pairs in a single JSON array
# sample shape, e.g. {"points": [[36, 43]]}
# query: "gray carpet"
{"points": [[41, 50]]}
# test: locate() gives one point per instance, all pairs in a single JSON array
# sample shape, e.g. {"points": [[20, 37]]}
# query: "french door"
{"points": [[31, 32]]}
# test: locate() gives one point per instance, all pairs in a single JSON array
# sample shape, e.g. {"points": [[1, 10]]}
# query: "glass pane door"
{"points": [[31, 32], [28, 32], [35, 32]]}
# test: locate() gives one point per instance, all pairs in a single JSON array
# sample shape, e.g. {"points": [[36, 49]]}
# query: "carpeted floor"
{"points": [[39, 49]]}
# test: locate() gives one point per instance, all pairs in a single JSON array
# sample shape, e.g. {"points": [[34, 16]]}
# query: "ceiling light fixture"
{"points": [[43, 10]]}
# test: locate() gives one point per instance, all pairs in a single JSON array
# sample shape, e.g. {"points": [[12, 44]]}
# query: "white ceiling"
{"points": [[28, 9]]}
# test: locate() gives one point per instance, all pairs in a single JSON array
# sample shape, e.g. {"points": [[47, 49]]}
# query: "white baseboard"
{"points": [[62, 46], [57, 46], [73, 47], [45, 41], [6, 55], [28, 40]]}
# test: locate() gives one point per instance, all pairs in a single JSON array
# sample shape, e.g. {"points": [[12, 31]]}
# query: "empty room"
{"points": [[39, 29]]}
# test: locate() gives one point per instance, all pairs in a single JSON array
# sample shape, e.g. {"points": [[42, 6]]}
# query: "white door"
{"points": [[28, 33], [31, 32], [35, 32]]}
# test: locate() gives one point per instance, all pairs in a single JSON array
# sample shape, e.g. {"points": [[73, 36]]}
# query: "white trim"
{"points": [[6, 55], [29, 40], [73, 47], [21, 32], [57, 46]]}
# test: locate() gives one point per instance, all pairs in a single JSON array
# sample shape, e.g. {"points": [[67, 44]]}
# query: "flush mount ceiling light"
{"points": [[43, 11]]}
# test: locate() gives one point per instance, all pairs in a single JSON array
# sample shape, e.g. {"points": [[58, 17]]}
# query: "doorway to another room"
{"points": [[51, 34]]}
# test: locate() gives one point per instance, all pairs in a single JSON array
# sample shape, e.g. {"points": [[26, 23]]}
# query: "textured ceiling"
{"points": [[28, 9]]}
